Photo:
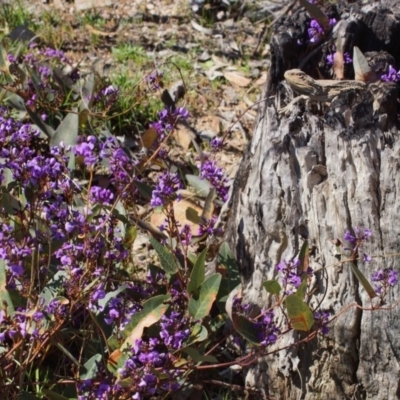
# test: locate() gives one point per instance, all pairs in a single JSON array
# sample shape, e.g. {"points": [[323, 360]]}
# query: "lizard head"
{"points": [[301, 82]]}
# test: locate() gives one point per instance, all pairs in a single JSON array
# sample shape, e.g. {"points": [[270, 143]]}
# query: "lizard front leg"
{"points": [[289, 108]]}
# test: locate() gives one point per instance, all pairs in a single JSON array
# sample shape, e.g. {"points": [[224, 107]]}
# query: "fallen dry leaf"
{"points": [[180, 208], [237, 79]]}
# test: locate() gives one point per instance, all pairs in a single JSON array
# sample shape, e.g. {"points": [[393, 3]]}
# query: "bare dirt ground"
{"points": [[226, 48]]}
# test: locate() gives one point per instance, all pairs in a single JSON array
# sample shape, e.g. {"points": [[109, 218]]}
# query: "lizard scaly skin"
{"points": [[318, 90]]}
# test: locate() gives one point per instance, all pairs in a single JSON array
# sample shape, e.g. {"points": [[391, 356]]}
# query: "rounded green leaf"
{"points": [[200, 308], [272, 287], [299, 313], [153, 310], [167, 260], [198, 273]]}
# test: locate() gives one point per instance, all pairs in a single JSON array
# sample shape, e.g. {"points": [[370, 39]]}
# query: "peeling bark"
{"points": [[314, 175]]}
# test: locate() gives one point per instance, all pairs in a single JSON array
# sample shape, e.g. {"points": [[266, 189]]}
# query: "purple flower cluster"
{"points": [[391, 76], [321, 320], [174, 330], [144, 357], [216, 176], [154, 80], [167, 120], [267, 330], [119, 311], [291, 274], [208, 227], [121, 167], [101, 195], [106, 98], [357, 239], [264, 324], [22, 324], [86, 149], [88, 391], [316, 32], [166, 189], [346, 58], [383, 279], [216, 144]]}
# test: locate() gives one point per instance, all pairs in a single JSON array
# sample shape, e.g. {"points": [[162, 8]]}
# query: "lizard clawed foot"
{"points": [[290, 107]]}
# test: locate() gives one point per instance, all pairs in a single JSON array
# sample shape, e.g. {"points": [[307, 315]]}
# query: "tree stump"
{"points": [[314, 175]]}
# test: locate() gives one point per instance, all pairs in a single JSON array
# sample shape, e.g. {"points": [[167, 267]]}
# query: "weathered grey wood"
{"points": [[315, 176]]}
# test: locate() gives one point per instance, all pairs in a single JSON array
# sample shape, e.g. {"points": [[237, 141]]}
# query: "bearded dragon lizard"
{"points": [[316, 90]]}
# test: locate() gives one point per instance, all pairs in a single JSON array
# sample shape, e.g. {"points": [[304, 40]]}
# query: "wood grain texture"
{"points": [[316, 174]]}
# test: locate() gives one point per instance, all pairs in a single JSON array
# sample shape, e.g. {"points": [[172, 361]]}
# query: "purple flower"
{"points": [[392, 277], [291, 274], [154, 80], [367, 258], [109, 90], [267, 330], [359, 236], [316, 32], [346, 58], [86, 149], [166, 189], [216, 144], [186, 235], [391, 76], [53, 53], [16, 269], [383, 279], [167, 120], [216, 176], [321, 319], [174, 330], [101, 195]]}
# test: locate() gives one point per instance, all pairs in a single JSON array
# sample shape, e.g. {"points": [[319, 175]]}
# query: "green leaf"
{"points": [[54, 286], [304, 257], [208, 209], [301, 290], [193, 215], [144, 189], [130, 236], [198, 273], [200, 308], [299, 313], [87, 91], [246, 328], [363, 280], [67, 131], [53, 395], [272, 286], [5, 298], [153, 309], [4, 65], [167, 260], [227, 265], [15, 101], [110, 295], [197, 357], [27, 396], [10, 204], [43, 127], [202, 186], [199, 333], [90, 369], [68, 354]]}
